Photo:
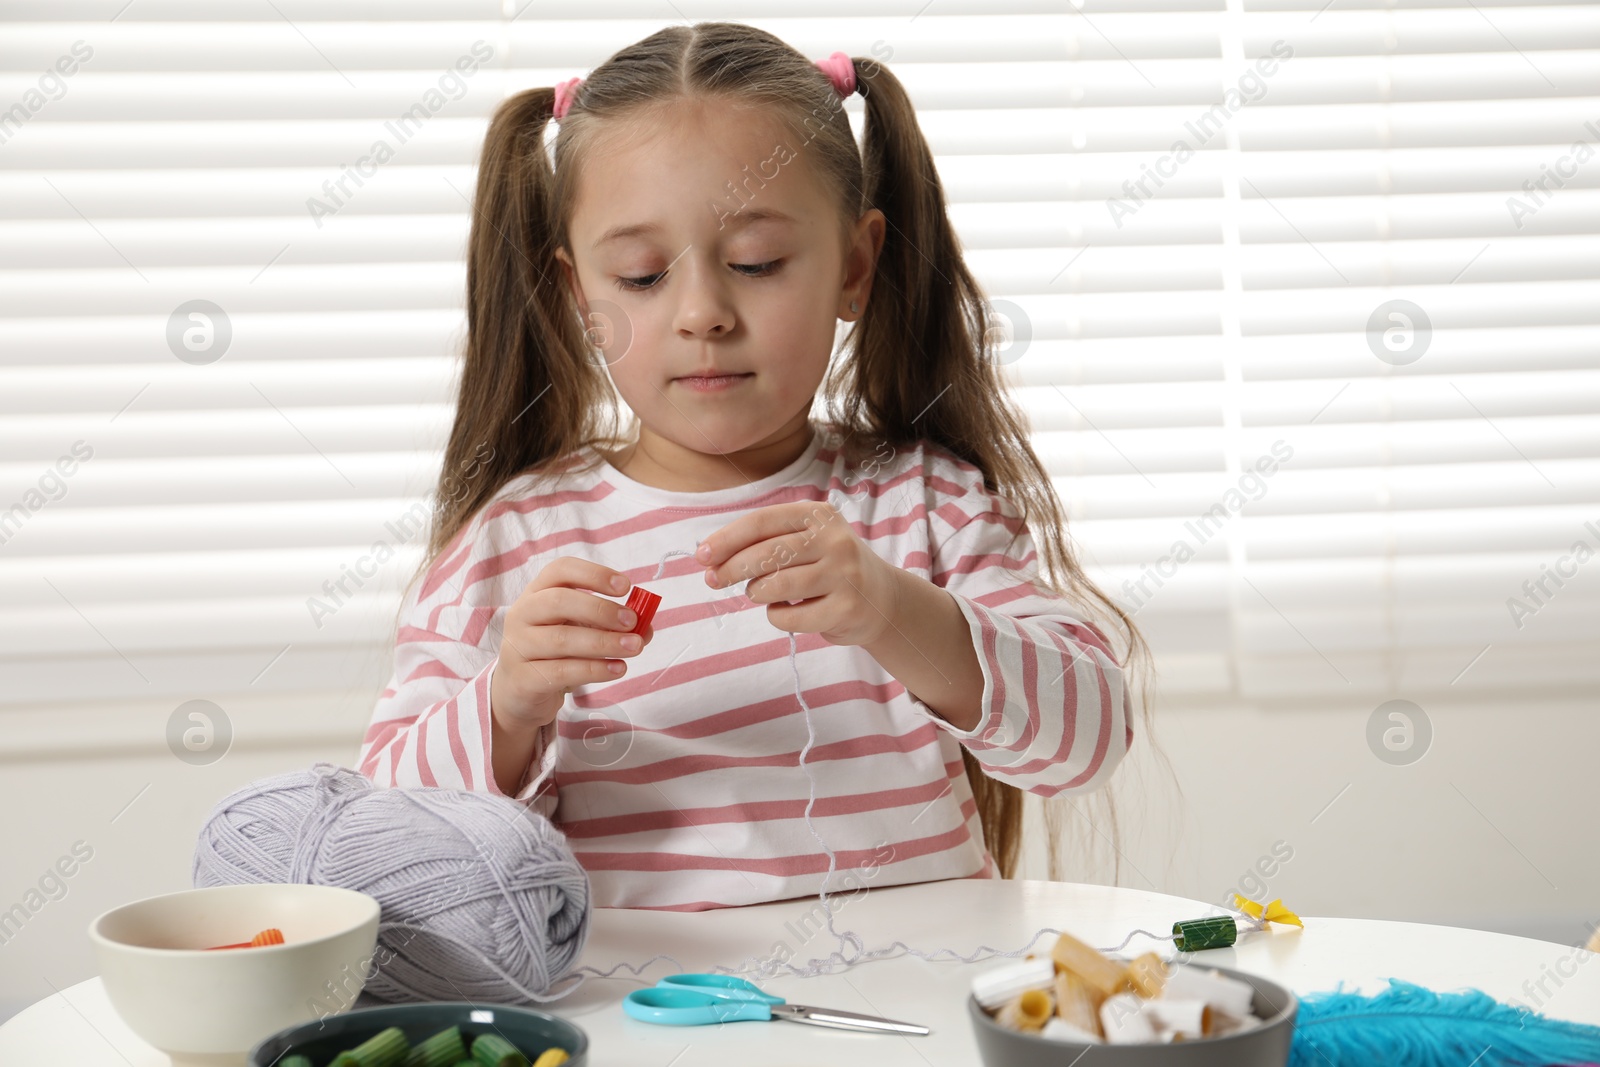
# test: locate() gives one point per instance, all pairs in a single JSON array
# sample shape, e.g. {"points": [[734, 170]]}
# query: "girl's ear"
{"points": [[861, 259]]}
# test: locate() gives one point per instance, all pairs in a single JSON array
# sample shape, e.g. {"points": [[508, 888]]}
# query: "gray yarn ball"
{"points": [[481, 898]]}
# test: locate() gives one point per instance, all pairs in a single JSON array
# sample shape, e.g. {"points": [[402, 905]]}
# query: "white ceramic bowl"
{"points": [[206, 1009]]}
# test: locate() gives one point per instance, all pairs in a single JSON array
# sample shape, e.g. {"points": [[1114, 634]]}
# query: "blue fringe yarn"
{"points": [[1409, 1025]]}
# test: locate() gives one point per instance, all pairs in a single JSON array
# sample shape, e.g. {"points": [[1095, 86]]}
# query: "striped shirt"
{"points": [[677, 785]]}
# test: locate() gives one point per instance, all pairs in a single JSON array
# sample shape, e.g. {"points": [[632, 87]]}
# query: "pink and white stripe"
{"points": [[677, 785]]}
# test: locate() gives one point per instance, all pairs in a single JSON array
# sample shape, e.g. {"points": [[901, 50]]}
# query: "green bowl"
{"points": [[529, 1030]]}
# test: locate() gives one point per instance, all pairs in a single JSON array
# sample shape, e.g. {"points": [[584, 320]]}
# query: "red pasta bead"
{"points": [[643, 603]]}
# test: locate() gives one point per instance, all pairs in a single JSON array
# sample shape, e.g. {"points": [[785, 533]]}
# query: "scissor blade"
{"points": [[843, 1020]]}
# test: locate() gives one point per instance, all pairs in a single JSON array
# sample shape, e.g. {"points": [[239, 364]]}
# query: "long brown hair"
{"points": [[527, 349]]}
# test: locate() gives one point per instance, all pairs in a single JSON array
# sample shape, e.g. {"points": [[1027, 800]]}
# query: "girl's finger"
{"points": [[564, 675], [560, 604], [768, 557], [757, 526], [580, 574], [790, 584], [806, 617], [576, 642]]}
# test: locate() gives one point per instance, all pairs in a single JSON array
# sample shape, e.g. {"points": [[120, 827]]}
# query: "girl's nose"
{"points": [[704, 308]]}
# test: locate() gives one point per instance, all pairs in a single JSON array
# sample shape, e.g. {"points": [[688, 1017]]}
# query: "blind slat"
{"points": [[1159, 350]]}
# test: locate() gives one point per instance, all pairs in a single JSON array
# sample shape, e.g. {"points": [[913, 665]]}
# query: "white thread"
{"points": [[548, 763]]}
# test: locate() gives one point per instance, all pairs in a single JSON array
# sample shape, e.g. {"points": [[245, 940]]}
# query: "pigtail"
{"points": [[922, 366], [528, 371], [915, 337]]}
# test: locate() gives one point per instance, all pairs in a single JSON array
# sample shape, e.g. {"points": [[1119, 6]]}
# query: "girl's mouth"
{"points": [[711, 385]]}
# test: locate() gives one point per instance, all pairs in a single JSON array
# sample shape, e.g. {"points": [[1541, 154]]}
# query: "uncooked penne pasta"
{"points": [[1028, 1011], [1188, 1018], [1077, 995], [1077, 1003], [1059, 1029], [995, 987], [1147, 974], [1224, 1024], [1106, 975], [1226, 994], [1124, 1021]]}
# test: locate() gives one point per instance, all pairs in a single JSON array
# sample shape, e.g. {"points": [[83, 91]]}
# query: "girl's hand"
{"points": [[556, 637], [805, 551]]}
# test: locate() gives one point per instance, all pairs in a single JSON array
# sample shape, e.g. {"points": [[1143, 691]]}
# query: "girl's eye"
{"points": [[633, 284], [648, 281]]}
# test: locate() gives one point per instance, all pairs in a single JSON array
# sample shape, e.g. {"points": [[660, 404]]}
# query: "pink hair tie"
{"points": [[565, 92], [841, 71]]}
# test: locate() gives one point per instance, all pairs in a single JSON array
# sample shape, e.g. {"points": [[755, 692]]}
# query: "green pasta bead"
{"points": [[295, 1061], [1198, 934], [444, 1049], [492, 1050], [386, 1048]]}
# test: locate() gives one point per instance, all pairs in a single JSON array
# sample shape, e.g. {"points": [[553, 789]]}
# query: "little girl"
{"points": [[705, 222]]}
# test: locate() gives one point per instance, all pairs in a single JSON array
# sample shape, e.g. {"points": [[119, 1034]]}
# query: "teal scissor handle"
{"points": [[725, 986], [681, 1006]]}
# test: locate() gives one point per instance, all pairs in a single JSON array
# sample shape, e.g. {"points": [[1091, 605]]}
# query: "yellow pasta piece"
{"points": [[1147, 974], [552, 1057], [1077, 1003], [1106, 975], [1026, 1011]]}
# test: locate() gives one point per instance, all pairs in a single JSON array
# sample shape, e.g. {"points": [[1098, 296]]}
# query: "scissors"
{"points": [[703, 999]]}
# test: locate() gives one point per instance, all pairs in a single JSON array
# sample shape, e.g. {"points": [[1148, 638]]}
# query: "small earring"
{"points": [[853, 307]]}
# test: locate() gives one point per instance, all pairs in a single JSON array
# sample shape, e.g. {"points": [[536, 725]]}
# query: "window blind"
{"points": [[1302, 303]]}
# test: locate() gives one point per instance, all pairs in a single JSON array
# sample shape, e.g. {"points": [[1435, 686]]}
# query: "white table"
{"points": [[78, 1026]]}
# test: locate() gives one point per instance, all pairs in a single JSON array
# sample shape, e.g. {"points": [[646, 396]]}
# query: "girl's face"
{"points": [[704, 243]]}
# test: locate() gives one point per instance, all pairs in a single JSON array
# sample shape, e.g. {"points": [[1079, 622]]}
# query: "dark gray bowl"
{"points": [[529, 1030], [1265, 1046]]}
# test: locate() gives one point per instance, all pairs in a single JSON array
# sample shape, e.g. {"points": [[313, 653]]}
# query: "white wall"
{"points": [[1493, 828], [138, 808]]}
